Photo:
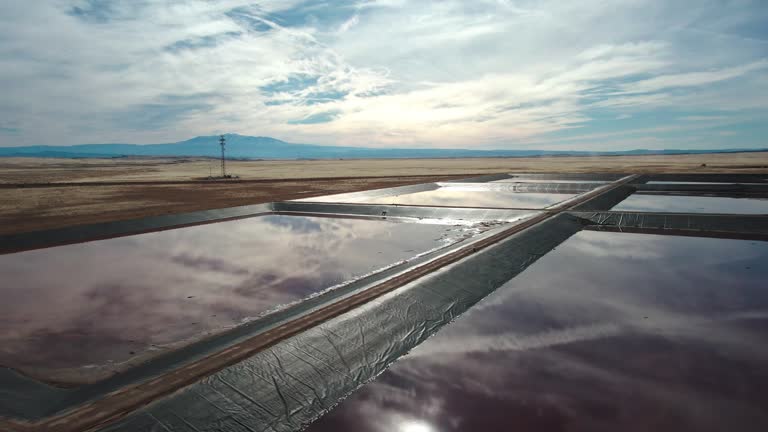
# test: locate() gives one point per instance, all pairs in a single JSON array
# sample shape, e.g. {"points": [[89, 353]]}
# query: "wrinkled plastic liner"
{"points": [[292, 383]]}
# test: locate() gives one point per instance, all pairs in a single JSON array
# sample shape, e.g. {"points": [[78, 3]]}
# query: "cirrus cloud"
{"points": [[501, 74]]}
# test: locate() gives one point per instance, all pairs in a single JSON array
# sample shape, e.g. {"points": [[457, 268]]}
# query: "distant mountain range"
{"points": [[249, 147]]}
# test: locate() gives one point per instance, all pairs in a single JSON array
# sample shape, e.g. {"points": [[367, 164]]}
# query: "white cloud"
{"points": [[348, 24], [449, 73], [693, 79]]}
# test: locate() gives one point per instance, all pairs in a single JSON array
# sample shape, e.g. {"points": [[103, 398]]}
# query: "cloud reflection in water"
{"points": [[693, 204], [608, 332], [108, 300], [473, 198]]}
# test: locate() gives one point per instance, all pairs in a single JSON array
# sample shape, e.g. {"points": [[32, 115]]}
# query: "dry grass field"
{"points": [[32, 170], [38, 194]]}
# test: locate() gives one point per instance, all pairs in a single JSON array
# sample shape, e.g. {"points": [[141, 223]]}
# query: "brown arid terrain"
{"points": [[38, 194]]}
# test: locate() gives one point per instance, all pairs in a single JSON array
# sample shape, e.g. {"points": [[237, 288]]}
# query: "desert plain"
{"points": [[46, 193]]}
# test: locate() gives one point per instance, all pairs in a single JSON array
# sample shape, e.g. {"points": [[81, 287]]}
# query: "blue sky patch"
{"points": [[324, 97], [294, 83], [315, 13], [249, 19]]}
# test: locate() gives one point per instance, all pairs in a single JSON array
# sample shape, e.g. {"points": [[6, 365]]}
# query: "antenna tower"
{"points": [[222, 142]]}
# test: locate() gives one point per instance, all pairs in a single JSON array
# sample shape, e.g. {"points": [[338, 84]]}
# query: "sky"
{"points": [[481, 74]]}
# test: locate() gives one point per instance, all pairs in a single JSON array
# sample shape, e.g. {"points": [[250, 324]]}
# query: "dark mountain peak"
{"points": [[233, 138]]}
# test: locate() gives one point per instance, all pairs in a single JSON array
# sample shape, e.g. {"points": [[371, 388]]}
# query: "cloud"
{"points": [[379, 73], [156, 115], [348, 24], [202, 42], [323, 117], [693, 79]]}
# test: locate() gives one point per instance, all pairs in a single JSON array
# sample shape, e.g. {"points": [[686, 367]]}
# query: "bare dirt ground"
{"points": [[32, 170], [40, 194], [24, 209]]}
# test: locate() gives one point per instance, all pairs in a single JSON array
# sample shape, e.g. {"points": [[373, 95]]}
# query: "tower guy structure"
{"points": [[223, 142]]}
